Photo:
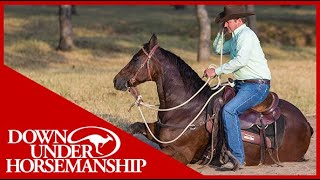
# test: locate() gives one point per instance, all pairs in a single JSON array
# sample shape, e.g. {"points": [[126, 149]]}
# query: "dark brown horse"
{"points": [[177, 82]]}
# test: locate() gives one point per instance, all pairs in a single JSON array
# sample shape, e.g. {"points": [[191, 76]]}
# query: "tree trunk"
{"points": [[252, 20], [204, 33], [74, 10], [179, 7], [66, 33]]}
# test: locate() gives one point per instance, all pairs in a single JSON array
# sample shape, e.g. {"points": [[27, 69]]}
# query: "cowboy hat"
{"points": [[232, 12]]}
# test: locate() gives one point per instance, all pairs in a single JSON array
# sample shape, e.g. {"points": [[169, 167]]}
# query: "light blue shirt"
{"points": [[247, 58]]}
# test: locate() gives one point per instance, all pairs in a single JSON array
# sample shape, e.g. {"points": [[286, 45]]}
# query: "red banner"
{"points": [[40, 132]]}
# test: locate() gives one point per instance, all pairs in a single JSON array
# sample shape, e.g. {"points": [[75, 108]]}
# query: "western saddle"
{"points": [[261, 115]]}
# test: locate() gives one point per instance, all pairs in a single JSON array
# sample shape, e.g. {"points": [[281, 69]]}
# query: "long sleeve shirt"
{"points": [[247, 58]]}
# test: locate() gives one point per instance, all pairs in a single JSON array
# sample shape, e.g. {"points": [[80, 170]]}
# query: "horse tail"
{"points": [[311, 129]]}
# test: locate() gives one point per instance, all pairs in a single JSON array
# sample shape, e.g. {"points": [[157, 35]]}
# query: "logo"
{"points": [[97, 140], [84, 150]]}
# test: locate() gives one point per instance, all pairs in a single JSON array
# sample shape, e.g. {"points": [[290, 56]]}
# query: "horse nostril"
{"points": [[120, 84], [114, 81]]}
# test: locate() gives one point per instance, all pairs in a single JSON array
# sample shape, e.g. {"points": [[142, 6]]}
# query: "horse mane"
{"points": [[191, 78]]}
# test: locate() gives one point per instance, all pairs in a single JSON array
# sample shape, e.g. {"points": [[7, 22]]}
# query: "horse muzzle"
{"points": [[120, 84]]}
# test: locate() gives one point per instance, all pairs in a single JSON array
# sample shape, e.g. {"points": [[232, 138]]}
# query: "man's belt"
{"points": [[258, 81]]}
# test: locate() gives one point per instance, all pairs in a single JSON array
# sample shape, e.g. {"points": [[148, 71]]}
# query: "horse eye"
{"points": [[136, 59]]}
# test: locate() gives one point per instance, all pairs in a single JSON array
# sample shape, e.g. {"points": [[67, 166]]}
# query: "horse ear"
{"points": [[153, 41]]}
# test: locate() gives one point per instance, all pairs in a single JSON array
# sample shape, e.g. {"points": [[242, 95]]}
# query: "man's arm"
{"points": [[243, 49]]}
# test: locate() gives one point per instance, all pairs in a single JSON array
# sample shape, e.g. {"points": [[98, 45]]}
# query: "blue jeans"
{"points": [[247, 95]]}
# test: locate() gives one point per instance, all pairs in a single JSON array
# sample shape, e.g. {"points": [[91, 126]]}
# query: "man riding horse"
{"points": [[190, 108], [250, 69]]}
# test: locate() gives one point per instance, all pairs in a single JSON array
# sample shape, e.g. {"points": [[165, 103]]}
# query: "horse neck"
{"points": [[167, 91], [172, 89]]}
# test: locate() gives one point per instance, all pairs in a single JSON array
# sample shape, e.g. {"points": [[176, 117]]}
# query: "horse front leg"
{"points": [[139, 127], [175, 154], [140, 131], [187, 148]]}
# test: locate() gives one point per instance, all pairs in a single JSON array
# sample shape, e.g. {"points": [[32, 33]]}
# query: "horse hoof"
{"points": [[303, 159]]}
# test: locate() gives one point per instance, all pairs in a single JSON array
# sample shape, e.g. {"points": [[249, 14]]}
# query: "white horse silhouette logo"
{"points": [[97, 139]]}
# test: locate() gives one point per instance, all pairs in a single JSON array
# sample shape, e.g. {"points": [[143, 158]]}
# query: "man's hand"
{"points": [[222, 28], [209, 72], [225, 30]]}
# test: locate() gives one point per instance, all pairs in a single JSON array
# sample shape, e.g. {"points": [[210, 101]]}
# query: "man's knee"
{"points": [[228, 110]]}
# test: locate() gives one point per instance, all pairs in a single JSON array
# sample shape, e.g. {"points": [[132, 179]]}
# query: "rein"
{"points": [[186, 128], [139, 102], [180, 105]]}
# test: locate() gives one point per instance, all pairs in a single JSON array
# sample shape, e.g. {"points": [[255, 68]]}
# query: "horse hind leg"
{"points": [[303, 159], [297, 134]]}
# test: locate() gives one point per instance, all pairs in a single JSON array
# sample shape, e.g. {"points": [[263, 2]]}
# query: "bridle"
{"points": [[146, 61]]}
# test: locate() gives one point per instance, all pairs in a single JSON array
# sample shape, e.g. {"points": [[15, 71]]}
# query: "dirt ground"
{"points": [[290, 168]]}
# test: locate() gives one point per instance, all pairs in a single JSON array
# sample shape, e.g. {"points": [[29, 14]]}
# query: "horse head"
{"points": [[141, 68]]}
